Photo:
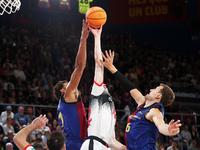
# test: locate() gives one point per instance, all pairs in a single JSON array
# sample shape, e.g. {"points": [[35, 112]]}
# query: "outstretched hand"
{"points": [[174, 127], [96, 32], [108, 59], [40, 122], [85, 30]]}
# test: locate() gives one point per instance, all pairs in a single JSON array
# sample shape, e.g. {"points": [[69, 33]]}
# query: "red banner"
{"points": [[147, 11]]}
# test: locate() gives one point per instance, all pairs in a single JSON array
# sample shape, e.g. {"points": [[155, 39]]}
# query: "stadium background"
{"points": [[145, 30]]}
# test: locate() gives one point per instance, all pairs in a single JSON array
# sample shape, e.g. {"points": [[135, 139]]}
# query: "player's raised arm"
{"points": [[80, 61], [99, 69], [21, 136], [127, 84]]}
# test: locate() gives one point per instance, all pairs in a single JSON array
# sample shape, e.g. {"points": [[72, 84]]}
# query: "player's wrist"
{"points": [[112, 69], [97, 37], [83, 38]]}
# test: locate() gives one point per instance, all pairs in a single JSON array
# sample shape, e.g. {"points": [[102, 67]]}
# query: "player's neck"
{"points": [[150, 102]]}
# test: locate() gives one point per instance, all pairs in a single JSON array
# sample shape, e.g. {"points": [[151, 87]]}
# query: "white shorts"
{"points": [[92, 144]]}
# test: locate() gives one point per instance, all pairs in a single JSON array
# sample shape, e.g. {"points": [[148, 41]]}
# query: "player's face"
{"points": [[64, 87], [154, 93]]}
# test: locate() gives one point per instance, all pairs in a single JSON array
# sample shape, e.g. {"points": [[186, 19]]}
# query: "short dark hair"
{"points": [[57, 88], [168, 95], [56, 141], [38, 145]]}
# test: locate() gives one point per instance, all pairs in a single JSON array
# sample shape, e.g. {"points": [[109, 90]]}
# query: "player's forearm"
{"points": [[118, 146], [163, 128], [97, 48], [21, 136], [111, 68], [81, 55], [127, 84]]}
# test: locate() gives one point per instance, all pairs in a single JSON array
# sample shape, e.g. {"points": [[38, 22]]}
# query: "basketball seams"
{"points": [[96, 18], [94, 25], [95, 12]]}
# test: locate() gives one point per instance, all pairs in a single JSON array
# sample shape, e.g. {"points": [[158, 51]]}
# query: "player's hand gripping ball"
{"points": [[95, 17]]}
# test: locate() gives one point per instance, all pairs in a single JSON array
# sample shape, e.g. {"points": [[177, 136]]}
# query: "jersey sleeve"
{"points": [[29, 147]]}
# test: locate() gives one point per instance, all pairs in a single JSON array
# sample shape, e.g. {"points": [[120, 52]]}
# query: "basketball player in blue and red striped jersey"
{"points": [[144, 125], [71, 112], [102, 115]]}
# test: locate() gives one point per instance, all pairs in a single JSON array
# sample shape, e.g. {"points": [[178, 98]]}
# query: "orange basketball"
{"points": [[96, 16]]}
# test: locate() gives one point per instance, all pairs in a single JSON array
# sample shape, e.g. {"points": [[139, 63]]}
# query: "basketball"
{"points": [[95, 17]]}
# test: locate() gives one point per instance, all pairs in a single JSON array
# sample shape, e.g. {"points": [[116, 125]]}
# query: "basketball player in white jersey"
{"points": [[102, 115]]}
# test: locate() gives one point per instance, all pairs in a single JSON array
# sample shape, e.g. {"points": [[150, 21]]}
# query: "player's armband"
{"points": [[29, 147], [127, 84]]}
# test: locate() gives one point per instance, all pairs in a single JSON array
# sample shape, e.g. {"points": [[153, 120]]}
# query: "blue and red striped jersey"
{"points": [[72, 119], [141, 134]]}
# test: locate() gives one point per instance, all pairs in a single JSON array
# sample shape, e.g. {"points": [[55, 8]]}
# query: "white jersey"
{"points": [[102, 115], [102, 118]]}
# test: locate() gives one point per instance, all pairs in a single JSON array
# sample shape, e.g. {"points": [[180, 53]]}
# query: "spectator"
{"points": [[12, 97], [28, 93], [173, 146], [20, 118], [7, 83], [177, 138], [9, 146], [127, 112], [7, 62], [186, 135], [169, 143], [8, 126], [19, 85], [9, 139], [8, 71], [59, 128], [7, 114], [28, 70], [39, 141], [21, 98], [54, 125], [49, 116], [194, 132], [38, 146], [116, 100], [161, 147], [19, 72], [30, 115], [193, 145], [46, 134]]}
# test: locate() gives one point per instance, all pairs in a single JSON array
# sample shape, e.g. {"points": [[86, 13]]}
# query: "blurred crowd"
{"points": [[35, 55]]}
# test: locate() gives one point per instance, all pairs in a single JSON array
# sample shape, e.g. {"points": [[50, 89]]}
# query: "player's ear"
{"points": [[159, 96], [62, 90]]}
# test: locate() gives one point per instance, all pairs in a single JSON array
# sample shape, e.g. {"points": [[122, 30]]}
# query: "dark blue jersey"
{"points": [[141, 134], [72, 119]]}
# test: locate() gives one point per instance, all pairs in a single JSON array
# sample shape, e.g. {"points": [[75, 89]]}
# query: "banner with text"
{"points": [[147, 11]]}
